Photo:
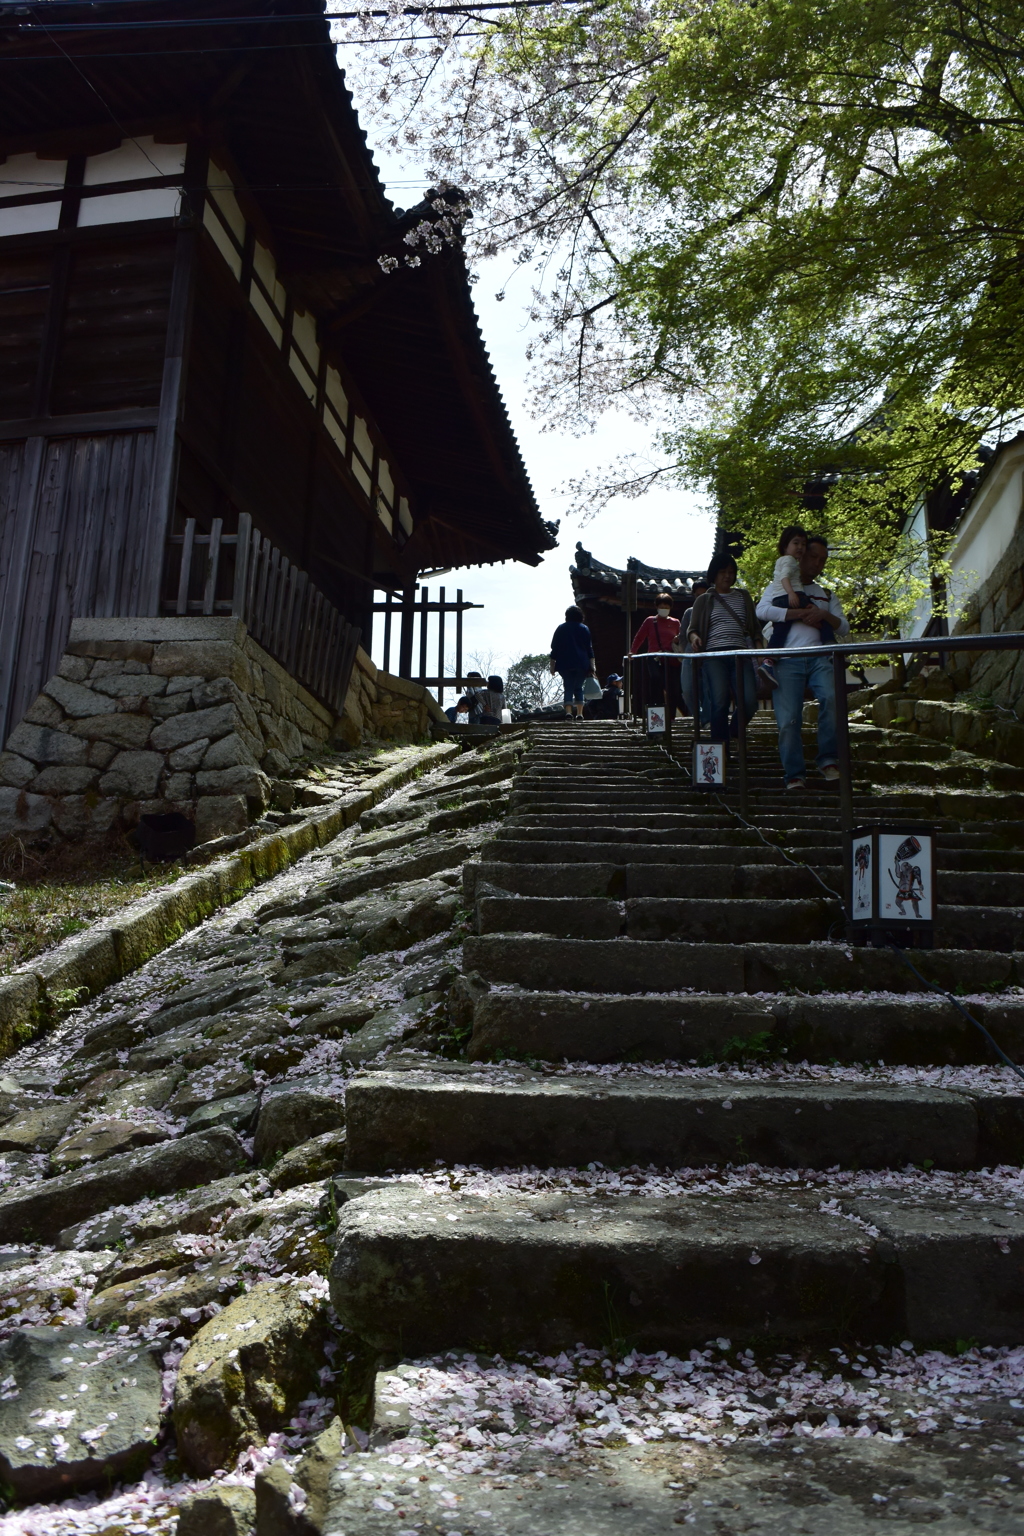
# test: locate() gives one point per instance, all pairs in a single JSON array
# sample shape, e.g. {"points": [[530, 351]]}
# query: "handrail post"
{"points": [[696, 710], [844, 765], [741, 734], [668, 707], [843, 743]]}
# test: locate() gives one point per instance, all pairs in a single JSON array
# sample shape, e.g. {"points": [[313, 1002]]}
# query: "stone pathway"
{"points": [[648, 1204], [163, 1157]]}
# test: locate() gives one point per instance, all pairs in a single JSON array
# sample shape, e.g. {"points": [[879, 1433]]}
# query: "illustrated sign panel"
{"points": [[709, 764], [863, 902], [655, 719], [905, 876]]}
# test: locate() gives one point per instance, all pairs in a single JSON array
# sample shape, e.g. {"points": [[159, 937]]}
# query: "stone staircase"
{"points": [[782, 1138]]}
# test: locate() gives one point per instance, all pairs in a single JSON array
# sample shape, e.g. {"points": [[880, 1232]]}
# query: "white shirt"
{"points": [[804, 634]]}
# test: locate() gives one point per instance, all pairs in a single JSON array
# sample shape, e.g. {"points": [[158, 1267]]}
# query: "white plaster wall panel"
{"points": [[298, 366], [265, 268], [387, 485], [129, 207], [336, 394], [336, 430], [988, 526], [222, 240], [222, 193], [29, 219], [133, 159], [28, 173], [304, 338]]}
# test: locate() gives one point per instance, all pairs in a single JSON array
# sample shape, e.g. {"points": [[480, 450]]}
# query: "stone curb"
{"points": [[118, 944]]}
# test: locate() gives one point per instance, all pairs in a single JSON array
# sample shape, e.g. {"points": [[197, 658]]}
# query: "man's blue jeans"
{"points": [[800, 667]]}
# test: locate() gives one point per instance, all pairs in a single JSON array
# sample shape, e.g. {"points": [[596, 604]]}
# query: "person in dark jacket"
{"points": [[572, 655]]}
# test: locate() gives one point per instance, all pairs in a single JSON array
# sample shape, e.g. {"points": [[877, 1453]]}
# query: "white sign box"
{"points": [[892, 876], [708, 764]]}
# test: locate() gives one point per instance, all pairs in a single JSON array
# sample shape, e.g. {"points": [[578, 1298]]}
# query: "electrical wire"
{"points": [[145, 24], [796, 863], [177, 53], [899, 953], [960, 1009]]}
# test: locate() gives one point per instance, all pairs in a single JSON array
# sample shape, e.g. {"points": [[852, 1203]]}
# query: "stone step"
{"points": [[407, 1120], [807, 920], [420, 1270], [630, 797], [674, 825], [916, 1030], [745, 849], [583, 917], [867, 769], [639, 966], [767, 879]]}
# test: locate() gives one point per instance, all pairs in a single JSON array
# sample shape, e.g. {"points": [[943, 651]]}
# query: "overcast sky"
{"points": [[522, 604]]}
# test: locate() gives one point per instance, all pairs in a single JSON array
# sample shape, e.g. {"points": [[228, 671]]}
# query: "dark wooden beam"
{"points": [[97, 138], [84, 424], [172, 388], [59, 274]]}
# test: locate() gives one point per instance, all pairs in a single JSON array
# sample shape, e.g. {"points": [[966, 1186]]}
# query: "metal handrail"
{"points": [[838, 651], [1004, 640]]}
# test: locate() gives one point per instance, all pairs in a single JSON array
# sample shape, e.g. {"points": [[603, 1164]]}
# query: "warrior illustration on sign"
{"points": [[907, 877], [709, 766]]}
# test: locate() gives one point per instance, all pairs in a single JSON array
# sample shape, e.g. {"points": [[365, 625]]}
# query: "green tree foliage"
{"points": [[795, 228], [530, 685]]}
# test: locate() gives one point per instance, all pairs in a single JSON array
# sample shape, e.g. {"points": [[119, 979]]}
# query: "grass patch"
{"points": [[59, 891]]}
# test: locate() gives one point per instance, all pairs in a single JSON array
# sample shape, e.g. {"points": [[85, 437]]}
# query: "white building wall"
{"points": [[987, 528]]}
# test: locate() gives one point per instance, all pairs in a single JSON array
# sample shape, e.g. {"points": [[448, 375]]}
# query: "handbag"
{"points": [[765, 685], [592, 688]]}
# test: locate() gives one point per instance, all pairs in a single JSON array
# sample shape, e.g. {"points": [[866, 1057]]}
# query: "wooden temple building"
{"points": [[615, 602], [214, 398]]}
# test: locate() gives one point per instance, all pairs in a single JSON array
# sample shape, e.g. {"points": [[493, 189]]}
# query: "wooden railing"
{"points": [[408, 611], [242, 574]]}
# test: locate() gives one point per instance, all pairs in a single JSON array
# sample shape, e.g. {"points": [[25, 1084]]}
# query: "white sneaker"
{"points": [[797, 784], [831, 773]]}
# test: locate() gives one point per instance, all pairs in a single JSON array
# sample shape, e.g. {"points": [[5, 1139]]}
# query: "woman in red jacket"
{"points": [[658, 632]]}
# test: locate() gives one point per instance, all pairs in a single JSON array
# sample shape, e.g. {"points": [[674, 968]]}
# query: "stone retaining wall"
{"points": [[385, 707], [179, 714], [991, 733]]}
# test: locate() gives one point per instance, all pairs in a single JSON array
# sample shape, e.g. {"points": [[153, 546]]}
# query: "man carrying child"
{"points": [[809, 628]]}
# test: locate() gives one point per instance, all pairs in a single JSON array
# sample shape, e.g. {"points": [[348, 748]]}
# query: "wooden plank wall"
{"points": [[251, 443], [83, 331], [73, 522]]}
